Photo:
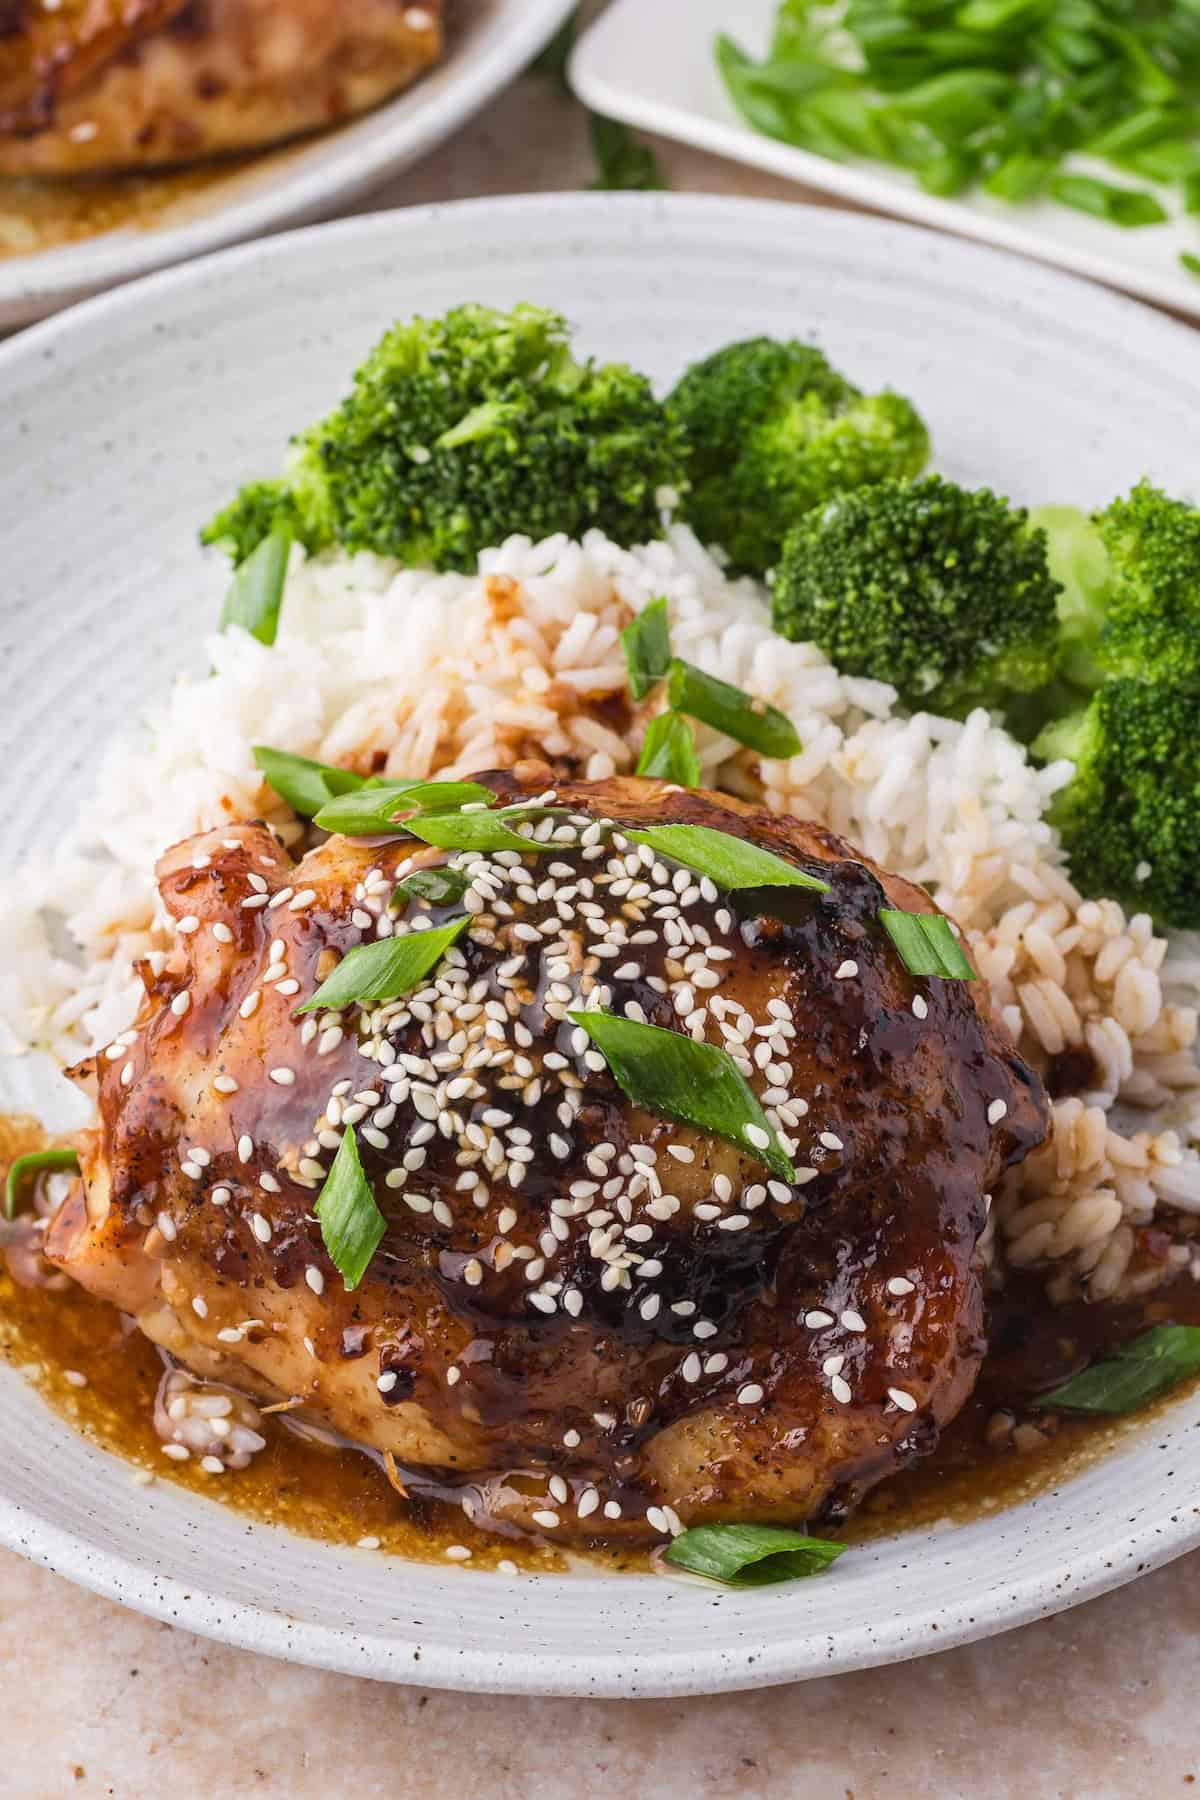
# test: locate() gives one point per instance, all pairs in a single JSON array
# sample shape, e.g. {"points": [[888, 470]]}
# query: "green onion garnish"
{"points": [[669, 751], [370, 811], [751, 1555], [647, 647], [729, 861], [679, 1078], [33, 1164], [484, 831], [352, 1226], [386, 968], [926, 944], [728, 710], [439, 886], [1126, 207], [307, 786], [1191, 263], [1134, 1374], [256, 591]]}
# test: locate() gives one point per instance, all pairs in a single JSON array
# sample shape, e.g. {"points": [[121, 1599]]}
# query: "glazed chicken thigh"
{"points": [[94, 86], [591, 1319]]}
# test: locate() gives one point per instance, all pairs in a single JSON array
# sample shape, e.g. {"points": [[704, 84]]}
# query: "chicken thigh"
{"points": [[581, 1313]]}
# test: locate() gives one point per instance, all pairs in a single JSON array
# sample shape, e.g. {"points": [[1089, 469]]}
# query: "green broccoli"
{"points": [[773, 430], [461, 431], [940, 590], [1130, 816]]}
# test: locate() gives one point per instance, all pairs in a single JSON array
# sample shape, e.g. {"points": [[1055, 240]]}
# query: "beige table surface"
{"points": [[95, 1701]]}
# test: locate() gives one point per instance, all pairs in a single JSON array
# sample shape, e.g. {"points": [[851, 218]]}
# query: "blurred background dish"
{"points": [[656, 68], [134, 136]]}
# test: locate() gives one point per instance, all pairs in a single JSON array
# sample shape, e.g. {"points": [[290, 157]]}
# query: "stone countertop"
{"points": [[1098, 1702]]}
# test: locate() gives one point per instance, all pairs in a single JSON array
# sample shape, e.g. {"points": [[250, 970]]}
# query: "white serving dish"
{"points": [[125, 423]]}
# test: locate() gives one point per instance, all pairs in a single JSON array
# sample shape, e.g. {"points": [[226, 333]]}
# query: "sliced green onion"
{"points": [[438, 886], [1136, 1373], [32, 1165], [1126, 207], [485, 831], [370, 811], [256, 591], [307, 786], [1191, 263], [352, 1226], [386, 968], [647, 646], [751, 1555], [926, 944], [669, 751], [679, 1078], [727, 709], [729, 861], [1191, 204]]}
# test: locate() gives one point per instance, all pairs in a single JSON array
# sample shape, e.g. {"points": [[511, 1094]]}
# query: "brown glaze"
{"points": [[902, 1198]]}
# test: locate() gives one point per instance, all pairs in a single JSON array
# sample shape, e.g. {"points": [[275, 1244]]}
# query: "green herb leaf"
{"points": [[751, 1555], [256, 592], [727, 709], [698, 1084], [622, 161], [485, 831], [1126, 207], [646, 642], [729, 861], [307, 786], [370, 811], [439, 886], [1137, 1372], [1191, 263], [352, 1226], [386, 968], [669, 751], [926, 944], [30, 1166]]}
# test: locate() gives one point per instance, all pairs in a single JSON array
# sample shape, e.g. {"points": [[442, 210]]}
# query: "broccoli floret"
{"points": [[461, 431], [772, 431], [942, 591], [1130, 604], [1130, 816]]}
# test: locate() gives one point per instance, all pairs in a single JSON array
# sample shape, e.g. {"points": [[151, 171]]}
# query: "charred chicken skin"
{"points": [[593, 1320], [95, 86]]}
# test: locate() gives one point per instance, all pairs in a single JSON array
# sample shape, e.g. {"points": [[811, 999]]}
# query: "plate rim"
{"points": [[33, 285], [864, 184], [1157, 1539]]}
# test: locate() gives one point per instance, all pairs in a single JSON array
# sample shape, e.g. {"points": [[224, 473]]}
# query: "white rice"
{"points": [[419, 674]]}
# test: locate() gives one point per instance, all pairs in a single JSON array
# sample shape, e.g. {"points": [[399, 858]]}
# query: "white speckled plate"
{"points": [[124, 423], [488, 43]]}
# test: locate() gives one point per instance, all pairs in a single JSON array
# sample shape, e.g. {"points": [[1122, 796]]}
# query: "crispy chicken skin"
{"points": [[96, 86], [569, 1289]]}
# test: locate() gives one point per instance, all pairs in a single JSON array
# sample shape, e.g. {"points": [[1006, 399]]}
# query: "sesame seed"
{"points": [[750, 1394], [815, 1319], [996, 1111], [901, 1398], [453, 1376], [222, 932], [853, 1321], [225, 1084], [457, 1553], [75, 1378], [199, 1306], [245, 1148], [757, 1136], [260, 1227], [830, 1141], [899, 1285], [180, 1003], [845, 970], [839, 1387], [548, 1520], [920, 1006], [249, 1005], [368, 1543], [387, 1381], [176, 1452], [282, 1077], [315, 1279], [187, 925]]}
